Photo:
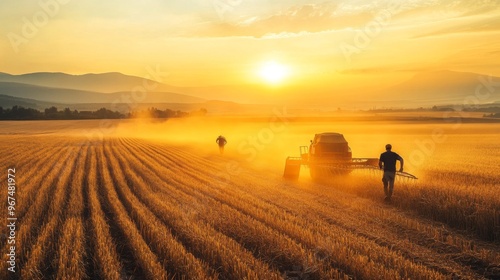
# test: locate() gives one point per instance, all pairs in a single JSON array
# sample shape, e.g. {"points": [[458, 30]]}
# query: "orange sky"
{"points": [[221, 42]]}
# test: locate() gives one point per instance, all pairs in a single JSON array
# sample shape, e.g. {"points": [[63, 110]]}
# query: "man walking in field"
{"points": [[387, 161], [221, 141]]}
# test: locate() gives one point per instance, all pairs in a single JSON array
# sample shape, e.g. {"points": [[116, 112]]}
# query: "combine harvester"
{"points": [[329, 155]]}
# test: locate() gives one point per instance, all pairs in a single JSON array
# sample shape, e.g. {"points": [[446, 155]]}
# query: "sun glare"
{"points": [[273, 72]]}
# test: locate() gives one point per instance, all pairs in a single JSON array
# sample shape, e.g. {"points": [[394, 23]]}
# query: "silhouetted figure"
{"points": [[387, 161], [221, 141]]}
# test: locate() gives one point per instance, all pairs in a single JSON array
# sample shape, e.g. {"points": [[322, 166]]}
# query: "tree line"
{"points": [[52, 113], [492, 115]]}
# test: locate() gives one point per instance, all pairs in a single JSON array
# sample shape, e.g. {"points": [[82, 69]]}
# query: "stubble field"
{"points": [[157, 201]]}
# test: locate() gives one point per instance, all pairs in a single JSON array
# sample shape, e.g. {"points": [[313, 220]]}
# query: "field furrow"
{"points": [[171, 253], [134, 208], [43, 168], [379, 223], [340, 219], [11, 156], [268, 220], [70, 257], [32, 166], [36, 213], [134, 245], [221, 252], [30, 180], [38, 260], [105, 261]]}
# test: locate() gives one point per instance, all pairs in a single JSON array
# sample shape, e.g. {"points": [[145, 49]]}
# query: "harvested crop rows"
{"points": [[127, 208]]}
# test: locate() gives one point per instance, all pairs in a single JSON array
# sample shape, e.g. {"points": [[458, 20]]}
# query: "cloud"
{"points": [[458, 17], [308, 18], [340, 15], [491, 24], [471, 8]]}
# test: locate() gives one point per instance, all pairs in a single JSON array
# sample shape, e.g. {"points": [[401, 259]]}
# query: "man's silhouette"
{"points": [[221, 141], [387, 161]]}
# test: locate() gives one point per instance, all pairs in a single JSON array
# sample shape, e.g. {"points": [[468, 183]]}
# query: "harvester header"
{"points": [[329, 154]]}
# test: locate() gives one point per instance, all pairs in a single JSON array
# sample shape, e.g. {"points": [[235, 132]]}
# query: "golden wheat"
{"points": [[132, 208]]}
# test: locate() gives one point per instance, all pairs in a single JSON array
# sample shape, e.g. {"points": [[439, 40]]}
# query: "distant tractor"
{"points": [[329, 155]]}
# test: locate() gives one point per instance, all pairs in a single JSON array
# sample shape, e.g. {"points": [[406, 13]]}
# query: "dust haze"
{"points": [[264, 142]]}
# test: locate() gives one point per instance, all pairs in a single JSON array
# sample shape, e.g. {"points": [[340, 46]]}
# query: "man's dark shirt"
{"points": [[221, 141], [389, 159]]}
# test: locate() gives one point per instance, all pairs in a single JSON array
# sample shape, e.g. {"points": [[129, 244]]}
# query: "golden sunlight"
{"points": [[273, 72]]}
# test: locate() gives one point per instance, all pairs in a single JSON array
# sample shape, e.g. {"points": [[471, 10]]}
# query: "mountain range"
{"points": [[444, 87], [103, 83], [424, 89], [112, 83], [69, 95]]}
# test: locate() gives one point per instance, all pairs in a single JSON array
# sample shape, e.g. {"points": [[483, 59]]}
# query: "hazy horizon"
{"points": [[328, 45]]}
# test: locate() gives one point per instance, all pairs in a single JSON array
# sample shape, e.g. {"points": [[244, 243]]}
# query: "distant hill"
{"points": [[438, 87], [117, 82], [53, 95], [10, 101], [69, 96], [105, 82], [213, 106], [424, 89]]}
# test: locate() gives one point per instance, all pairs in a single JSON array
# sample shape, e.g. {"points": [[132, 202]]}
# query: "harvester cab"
{"points": [[328, 147], [329, 155]]}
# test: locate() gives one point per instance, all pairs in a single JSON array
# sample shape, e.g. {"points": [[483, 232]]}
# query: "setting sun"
{"points": [[273, 72]]}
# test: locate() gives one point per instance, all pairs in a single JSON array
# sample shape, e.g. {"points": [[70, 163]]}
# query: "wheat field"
{"points": [[132, 207]]}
